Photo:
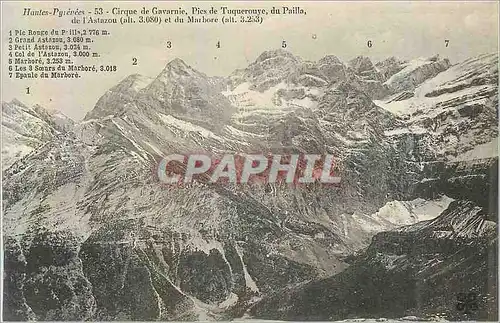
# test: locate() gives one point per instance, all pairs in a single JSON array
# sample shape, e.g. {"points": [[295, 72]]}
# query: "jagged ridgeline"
{"points": [[90, 234]]}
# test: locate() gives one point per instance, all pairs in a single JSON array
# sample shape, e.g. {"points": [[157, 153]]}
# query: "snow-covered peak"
{"points": [[454, 108], [134, 82], [471, 73], [26, 128], [269, 69], [416, 72]]}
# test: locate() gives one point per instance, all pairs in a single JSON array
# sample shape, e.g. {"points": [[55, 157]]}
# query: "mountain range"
{"points": [[90, 234]]}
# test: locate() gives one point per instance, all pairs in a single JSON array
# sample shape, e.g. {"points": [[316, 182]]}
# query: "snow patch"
{"points": [[231, 300], [248, 100], [250, 283], [400, 213], [187, 126]]}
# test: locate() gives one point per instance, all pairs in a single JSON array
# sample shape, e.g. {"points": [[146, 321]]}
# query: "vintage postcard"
{"points": [[249, 161]]}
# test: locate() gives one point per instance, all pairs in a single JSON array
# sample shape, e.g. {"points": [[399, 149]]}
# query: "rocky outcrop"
{"points": [[119, 98], [269, 69], [389, 67], [416, 72]]}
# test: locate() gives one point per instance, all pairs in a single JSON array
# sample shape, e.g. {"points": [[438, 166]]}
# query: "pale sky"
{"points": [[402, 29]]}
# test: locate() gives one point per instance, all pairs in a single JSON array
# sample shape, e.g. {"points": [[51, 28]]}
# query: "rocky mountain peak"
{"points": [[361, 63], [390, 66], [269, 69], [330, 59], [14, 102], [114, 100], [365, 71], [275, 53], [177, 64], [178, 69]]}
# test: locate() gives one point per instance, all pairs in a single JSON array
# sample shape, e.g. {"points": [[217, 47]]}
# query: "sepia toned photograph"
{"points": [[249, 161]]}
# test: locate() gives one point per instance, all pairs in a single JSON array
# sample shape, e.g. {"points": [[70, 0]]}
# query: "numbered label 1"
{"points": [[218, 44]]}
